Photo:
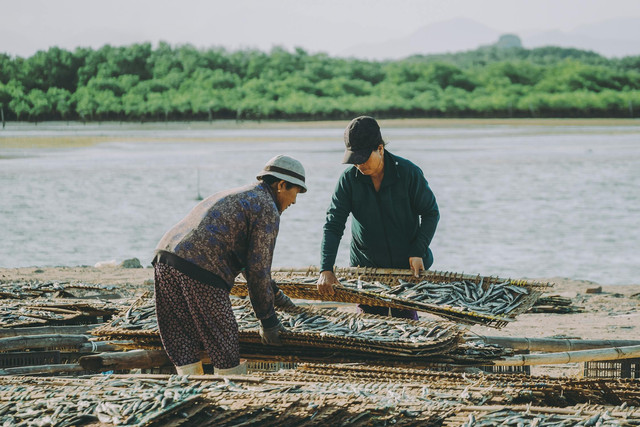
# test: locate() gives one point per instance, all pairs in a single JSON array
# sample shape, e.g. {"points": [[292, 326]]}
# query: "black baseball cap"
{"points": [[361, 137]]}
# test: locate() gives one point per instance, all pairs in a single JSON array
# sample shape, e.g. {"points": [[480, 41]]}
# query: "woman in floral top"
{"points": [[197, 261]]}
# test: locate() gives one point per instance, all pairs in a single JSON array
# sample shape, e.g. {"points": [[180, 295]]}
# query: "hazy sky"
{"points": [[316, 25]]}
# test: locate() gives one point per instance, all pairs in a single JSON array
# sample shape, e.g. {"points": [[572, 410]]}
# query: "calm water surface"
{"points": [[515, 201]]}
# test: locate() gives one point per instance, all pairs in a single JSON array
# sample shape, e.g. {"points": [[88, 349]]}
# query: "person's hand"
{"points": [[326, 281], [417, 265], [280, 300], [271, 336]]}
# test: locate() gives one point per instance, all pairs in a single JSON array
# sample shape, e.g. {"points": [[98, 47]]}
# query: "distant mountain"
{"points": [[448, 36], [618, 29], [617, 37]]}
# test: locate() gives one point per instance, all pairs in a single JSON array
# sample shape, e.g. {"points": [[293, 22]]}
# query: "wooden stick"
{"points": [[57, 310], [43, 369], [539, 409], [101, 346], [396, 271], [613, 353], [161, 377], [42, 341], [134, 359], [47, 330], [357, 270], [552, 344]]}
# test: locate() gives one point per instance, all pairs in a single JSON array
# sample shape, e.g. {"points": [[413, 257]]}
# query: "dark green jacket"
{"points": [[388, 226]]}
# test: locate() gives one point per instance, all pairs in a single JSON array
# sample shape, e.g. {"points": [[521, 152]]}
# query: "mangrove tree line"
{"points": [[142, 82]]}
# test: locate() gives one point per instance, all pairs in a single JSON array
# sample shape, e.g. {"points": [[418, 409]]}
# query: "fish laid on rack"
{"points": [[498, 299], [112, 402], [507, 417], [360, 327], [313, 327], [138, 317]]}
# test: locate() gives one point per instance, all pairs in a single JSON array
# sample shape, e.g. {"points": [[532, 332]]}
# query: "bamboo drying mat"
{"points": [[362, 338], [491, 389], [19, 313], [96, 401], [289, 280], [322, 395]]}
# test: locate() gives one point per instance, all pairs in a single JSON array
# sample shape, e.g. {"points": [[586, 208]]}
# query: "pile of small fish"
{"points": [[507, 417], [497, 299], [469, 388], [337, 404], [317, 394], [462, 299], [142, 317], [367, 328], [34, 402], [555, 304], [220, 402], [311, 327]]}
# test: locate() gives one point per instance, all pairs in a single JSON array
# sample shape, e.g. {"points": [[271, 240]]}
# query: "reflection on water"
{"points": [[515, 201]]}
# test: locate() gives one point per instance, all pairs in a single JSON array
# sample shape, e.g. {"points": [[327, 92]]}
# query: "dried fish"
{"points": [[325, 328], [496, 299], [118, 402], [508, 417]]}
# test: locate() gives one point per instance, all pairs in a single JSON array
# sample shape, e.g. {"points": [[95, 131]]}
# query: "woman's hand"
{"points": [[326, 281]]}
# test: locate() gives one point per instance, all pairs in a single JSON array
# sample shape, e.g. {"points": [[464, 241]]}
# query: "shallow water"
{"points": [[515, 200]]}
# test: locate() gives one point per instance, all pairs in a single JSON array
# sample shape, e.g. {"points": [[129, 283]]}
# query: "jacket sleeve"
{"points": [[424, 204], [336, 219], [262, 240]]}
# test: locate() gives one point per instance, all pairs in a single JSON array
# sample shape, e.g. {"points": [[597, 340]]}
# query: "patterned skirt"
{"points": [[193, 316]]}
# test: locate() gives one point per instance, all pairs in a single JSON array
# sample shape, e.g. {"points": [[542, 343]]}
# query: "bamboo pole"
{"points": [[541, 410], [552, 344], [42, 341], [134, 359], [204, 377], [102, 346], [613, 353], [43, 369], [47, 330], [400, 272], [351, 270]]}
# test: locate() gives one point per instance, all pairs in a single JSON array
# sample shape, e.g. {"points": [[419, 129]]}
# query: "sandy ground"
{"points": [[611, 314]]}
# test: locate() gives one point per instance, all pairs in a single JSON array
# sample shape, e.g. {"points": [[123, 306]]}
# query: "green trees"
{"points": [[141, 82]]}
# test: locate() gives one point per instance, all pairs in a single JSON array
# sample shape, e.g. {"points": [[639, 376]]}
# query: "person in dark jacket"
{"points": [[197, 261], [394, 211]]}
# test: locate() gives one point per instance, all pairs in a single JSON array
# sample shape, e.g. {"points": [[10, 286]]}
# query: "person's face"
{"points": [[374, 163], [286, 197]]}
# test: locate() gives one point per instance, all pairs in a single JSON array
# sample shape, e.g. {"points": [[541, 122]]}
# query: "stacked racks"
{"points": [[38, 289], [311, 332], [35, 303], [35, 312]]}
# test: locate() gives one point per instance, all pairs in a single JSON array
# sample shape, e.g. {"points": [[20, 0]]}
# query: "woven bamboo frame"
{"points": [[448, 340], [310, 292], [390, 277]]}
